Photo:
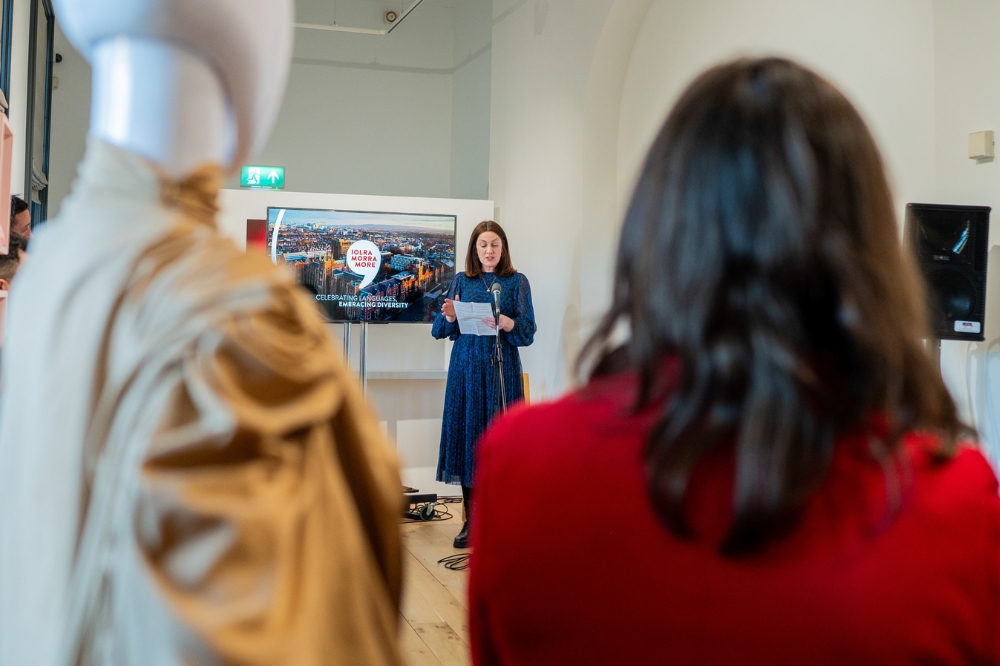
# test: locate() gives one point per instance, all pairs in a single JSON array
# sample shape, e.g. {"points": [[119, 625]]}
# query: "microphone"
{"points": [[495, 290]]}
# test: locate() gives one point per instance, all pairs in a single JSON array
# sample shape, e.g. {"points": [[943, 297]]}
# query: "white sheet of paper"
{"points": [[470, 318]]}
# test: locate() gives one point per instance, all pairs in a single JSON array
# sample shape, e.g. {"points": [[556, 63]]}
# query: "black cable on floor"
{"points": [[413, 515], [457, 562]]}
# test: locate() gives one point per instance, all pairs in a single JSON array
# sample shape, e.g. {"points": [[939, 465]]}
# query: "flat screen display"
{"points": [[364, 265]]}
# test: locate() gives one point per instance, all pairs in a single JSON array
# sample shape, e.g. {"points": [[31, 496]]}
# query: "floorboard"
{"points": [[434, 624], [443, 642]]}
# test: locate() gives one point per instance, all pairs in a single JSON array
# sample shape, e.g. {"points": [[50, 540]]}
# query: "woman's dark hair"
{"points": [[474, 267], [760, 251]]}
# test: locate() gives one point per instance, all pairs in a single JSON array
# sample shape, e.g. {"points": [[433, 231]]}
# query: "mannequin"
{"points": [[188, 473], [174, 112], [229, 57]]}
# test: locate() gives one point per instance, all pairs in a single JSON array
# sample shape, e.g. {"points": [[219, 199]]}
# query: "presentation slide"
{"points": [[364, 265]]}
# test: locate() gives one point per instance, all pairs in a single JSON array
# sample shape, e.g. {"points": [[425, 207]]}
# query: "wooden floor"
{"points": [[434, 628]]}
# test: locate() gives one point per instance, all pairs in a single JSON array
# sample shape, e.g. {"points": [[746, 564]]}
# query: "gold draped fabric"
{"points": [[188, 473]]}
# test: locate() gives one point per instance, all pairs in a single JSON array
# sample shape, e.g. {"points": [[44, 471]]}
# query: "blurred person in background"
{"points": [[769, 469], [9, 263], [20, 216]]}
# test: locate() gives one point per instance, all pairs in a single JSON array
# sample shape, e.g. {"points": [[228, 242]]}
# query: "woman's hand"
{"points": [[506, 323], [448, 309]]}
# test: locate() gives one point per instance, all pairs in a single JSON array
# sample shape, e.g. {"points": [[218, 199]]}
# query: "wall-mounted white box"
{"points": [[981, 145]]}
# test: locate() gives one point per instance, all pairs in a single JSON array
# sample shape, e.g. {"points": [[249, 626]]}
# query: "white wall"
{"points": [[470, 114], [603, 206], [402, 146], [880, 53], [967, 54], [18, 98], [405, 114], [542, 56], [70, 119], [368, 114]]}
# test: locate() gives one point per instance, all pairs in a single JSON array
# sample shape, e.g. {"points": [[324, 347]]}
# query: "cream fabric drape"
{"points": [[188, 474]]}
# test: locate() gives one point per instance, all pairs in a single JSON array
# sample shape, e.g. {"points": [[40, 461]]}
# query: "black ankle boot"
{"points": [[462, 540]]}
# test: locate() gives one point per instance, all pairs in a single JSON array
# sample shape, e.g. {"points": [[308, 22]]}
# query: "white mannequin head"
{"points": [[183, 81]]}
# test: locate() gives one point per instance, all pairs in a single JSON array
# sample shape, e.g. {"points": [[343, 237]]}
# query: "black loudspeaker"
{"points": [[950, 245]]}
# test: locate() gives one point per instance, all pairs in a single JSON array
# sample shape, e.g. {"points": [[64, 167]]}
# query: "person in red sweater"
{"points": [[769, 470]]}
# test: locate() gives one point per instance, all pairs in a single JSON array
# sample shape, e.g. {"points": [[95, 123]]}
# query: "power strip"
{"points": [[420, 498]]}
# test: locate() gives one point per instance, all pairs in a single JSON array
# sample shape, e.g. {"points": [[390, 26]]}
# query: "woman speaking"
{"points": [[473, 393]]}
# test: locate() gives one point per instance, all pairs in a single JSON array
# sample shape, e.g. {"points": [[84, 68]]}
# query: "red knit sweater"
{"points": [[571, 566]]}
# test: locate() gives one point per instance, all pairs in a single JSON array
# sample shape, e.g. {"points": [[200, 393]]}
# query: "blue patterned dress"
{"points": [[471, 396]]}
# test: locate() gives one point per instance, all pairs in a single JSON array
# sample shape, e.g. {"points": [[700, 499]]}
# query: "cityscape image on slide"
{"points": [[403, 278]]}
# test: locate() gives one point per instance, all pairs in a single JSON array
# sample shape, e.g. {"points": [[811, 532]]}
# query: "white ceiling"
{"points": [[367, 12]]}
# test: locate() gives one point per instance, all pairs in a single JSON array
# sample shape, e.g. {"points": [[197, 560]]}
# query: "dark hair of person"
{"points": [[760, 253], [17, 206], [9, 262], [474, 267]]}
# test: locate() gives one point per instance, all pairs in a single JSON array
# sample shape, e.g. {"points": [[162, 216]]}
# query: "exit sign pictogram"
{"points": [[267, 177]]}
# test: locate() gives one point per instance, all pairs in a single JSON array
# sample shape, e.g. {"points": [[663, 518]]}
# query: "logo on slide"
{"points": [[364, 259]]}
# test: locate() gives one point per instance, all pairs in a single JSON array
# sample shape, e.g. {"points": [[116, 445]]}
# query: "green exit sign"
{"points": [[269, 177]]}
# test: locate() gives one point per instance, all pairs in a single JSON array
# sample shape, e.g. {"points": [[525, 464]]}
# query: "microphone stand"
{"points": [[495, 289]]}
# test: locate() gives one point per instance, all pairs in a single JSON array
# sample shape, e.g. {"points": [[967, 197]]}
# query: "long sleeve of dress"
{"points": [[443, 328], [523, 333]]}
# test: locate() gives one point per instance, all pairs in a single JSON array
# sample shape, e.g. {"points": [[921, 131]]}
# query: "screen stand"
{"points": [[347, 343], [363, 363]]}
